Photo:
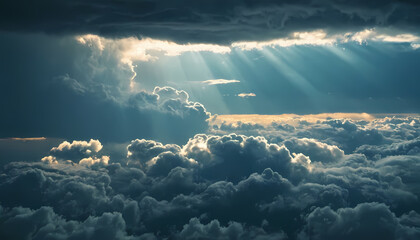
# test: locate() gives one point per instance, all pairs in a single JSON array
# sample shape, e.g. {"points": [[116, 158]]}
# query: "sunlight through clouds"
{"points": [[130, 50], [315, 38], [145, 119]]}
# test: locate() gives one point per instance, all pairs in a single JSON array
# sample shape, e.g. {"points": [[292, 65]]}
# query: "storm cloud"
{"points": [[206, 21]]}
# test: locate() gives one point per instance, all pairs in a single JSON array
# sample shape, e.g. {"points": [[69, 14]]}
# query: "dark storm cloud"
{"points": [[205, 21], [220, 187]]}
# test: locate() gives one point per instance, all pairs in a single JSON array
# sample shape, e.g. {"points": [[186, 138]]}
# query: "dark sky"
{"points": [[205, 21]]}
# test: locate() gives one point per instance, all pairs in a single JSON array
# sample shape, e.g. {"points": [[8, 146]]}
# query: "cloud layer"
{"points": [[211, 22], [328, 179]]}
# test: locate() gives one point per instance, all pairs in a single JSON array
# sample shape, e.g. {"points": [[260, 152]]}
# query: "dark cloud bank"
{"points": [[334, 179], [205, 21]]}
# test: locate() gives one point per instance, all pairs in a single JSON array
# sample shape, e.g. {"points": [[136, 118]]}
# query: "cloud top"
{"points": [[325, 179]]}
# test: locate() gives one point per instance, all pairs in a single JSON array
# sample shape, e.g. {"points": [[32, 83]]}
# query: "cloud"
{"points": [[288, 118], [321, 38], [42, 223], [102, 107], [94, 160], [246, 95], [408, 147], [202, 22], [168, 100], [81, 152], [219, 81], [72, 84], [315, 38], [213, 230], [318, 151], [373, 220], [293, 182], [24, 139], [76, 149], [130, 50]]}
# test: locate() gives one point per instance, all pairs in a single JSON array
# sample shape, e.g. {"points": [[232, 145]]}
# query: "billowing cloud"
{"points": [[81, 152], [292, 187], [126, 154], [42, 223], [373, 220], [318, 151]]}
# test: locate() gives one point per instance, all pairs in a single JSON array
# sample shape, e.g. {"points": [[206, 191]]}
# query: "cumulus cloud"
{"points": [[169, 100], [224, 185], [374, 220], [78, 147], [318, 151], [81, 152], [213, 230], [75, 151], [43, 223], [94, 160]]}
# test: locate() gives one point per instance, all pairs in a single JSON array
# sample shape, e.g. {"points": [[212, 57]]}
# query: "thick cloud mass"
{"points": [[290, 182], [205, 21]]}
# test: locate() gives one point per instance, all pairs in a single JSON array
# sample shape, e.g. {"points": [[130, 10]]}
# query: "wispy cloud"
{"points": [[323, 38], [219, 81], [25, 139], [246, 95]]}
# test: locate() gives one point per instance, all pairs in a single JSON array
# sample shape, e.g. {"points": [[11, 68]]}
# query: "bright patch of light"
{"points": [[219, 81], [246, 95], [291, 119], [373, 35], [298, 38]]}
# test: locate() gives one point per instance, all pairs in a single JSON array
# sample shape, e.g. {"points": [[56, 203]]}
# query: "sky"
{"points": [[180, 119]]}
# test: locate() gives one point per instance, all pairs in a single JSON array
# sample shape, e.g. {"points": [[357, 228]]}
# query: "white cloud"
{"points": [[415, 45], [84, 146], [49, 160], [379, 36], [103, 160], [219, 81], [246, 95], [316, 38], [322, 38]]}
